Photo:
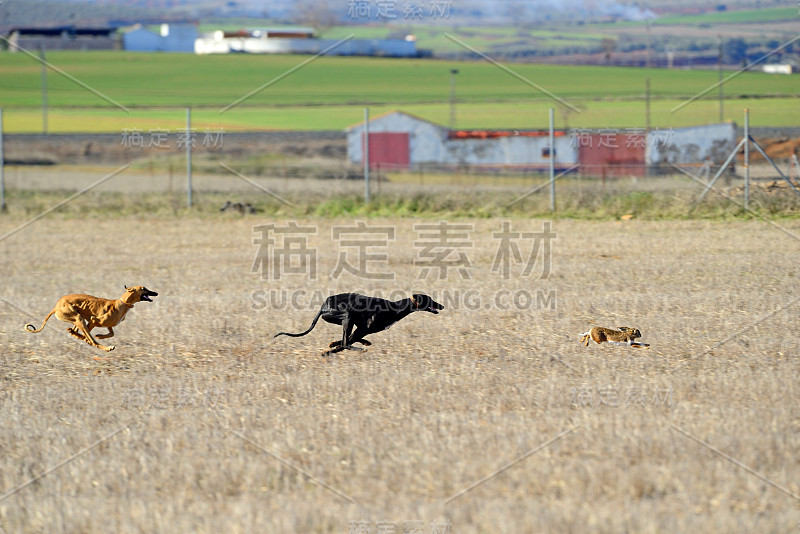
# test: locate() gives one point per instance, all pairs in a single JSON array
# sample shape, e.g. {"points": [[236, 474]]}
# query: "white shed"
{"points": [[398, 139], [777, 68], [170, 38]]}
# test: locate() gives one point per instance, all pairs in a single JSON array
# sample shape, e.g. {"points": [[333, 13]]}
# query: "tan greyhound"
{"points": [[86, 312]]}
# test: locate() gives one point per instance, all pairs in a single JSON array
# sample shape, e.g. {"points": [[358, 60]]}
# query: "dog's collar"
{"points": [[128, 305], [414, 302]]}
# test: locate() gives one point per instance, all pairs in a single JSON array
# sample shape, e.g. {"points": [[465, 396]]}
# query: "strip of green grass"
{"points": [[586, 199], [523, 115]]}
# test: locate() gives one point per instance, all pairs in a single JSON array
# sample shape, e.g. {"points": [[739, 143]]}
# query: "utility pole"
{"points": [[647, 104], [453, 73], [44, 87], [719, 69]]}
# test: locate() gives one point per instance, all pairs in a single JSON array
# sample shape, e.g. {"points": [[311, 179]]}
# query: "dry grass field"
{"points": [[489, 417]]}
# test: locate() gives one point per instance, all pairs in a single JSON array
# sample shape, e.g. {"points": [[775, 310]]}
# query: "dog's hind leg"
{"points": [[338, 346], [104, 336], [81, 327], [74, 333]]}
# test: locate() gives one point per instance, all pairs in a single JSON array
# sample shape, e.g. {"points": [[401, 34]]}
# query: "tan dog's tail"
{"points": [[32, 329]]}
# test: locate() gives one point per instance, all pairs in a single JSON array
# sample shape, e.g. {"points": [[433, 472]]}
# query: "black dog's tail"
{"points": [[310, 328]]}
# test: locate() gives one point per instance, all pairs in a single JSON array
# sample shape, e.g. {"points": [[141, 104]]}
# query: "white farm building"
{"points": [[299, 41], [401, 140]]}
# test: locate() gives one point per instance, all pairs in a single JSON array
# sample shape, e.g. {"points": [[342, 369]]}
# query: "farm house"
{"points": [[62, 38], [401, 140]]}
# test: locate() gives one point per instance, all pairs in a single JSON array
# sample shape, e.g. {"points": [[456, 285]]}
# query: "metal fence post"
{"points": [[746, 159], [552, 165], [365, 155], [189, 157], [3, 207]]}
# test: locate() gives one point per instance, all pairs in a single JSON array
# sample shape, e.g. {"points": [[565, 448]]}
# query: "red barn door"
{"points": [[388, 150]]}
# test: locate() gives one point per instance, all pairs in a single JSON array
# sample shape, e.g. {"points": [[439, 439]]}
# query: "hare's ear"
{"points": [[625, 329]]}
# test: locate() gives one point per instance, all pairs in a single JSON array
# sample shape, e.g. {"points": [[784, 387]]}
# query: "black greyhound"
{"points": [[368, 315]]}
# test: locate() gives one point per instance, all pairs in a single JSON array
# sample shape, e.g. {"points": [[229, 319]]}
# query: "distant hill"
{"points": [[336, 12]]}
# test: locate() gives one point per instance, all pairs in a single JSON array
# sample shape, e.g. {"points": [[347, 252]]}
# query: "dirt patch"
{"points": [[86, 149], [201, 420], [781, 148]]}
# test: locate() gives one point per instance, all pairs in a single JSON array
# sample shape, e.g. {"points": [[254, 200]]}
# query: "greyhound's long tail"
{"points": [[32, 329], [310, 328]]}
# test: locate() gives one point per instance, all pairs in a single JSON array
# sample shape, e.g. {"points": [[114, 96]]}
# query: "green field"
{"points": [[330, 93], [522, 115], [488, 38], [770, 14]]}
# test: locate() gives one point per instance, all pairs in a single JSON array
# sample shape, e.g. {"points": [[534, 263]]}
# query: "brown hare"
{"points": [[622, 336]]}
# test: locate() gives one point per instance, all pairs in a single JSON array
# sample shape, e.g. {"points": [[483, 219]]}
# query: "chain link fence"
{"points": [[602, 172]]}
